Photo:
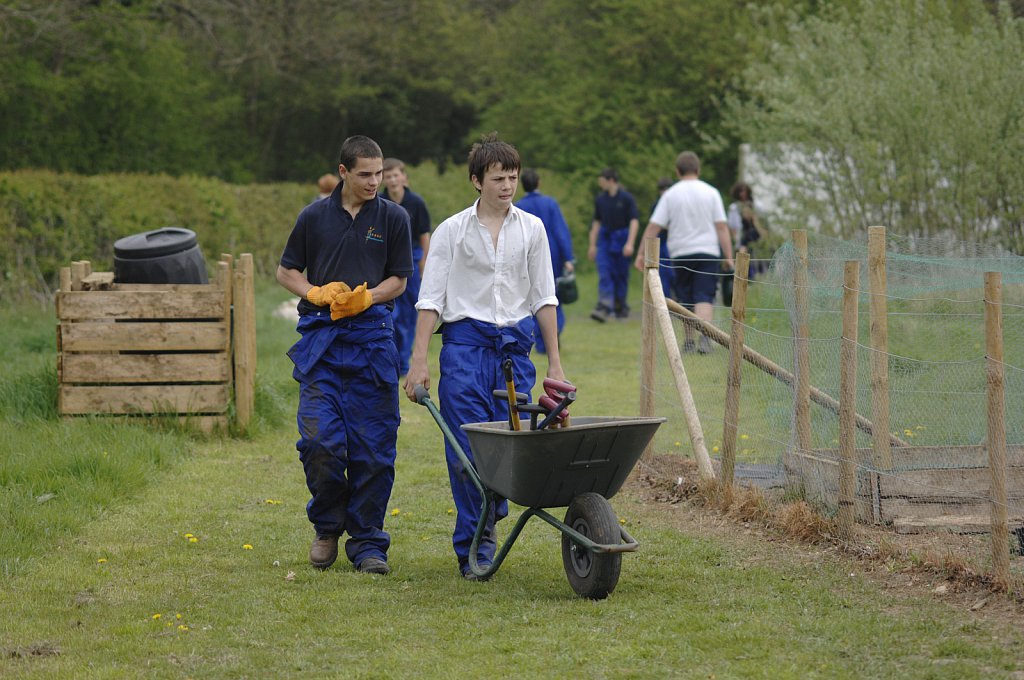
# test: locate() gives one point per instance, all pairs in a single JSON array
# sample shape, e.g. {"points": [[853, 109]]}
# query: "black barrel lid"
{"points": [[155, 243]]}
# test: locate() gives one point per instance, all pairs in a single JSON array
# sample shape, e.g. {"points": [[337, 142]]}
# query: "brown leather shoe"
{"points": [[324, 551]]}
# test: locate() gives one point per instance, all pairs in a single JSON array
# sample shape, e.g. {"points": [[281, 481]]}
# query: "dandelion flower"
{"points": [[678, 444], [714, 449], [101, 560], [744, 436], [396, 512], [193, 539], [156, 616], [183, 627], [246, 547], [622, 521], [271, 501], [177, 616], [450, 511], [187, 535]]}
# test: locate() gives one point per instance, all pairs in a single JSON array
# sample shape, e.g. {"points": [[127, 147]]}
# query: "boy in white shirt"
{"points": [[487, 274]]}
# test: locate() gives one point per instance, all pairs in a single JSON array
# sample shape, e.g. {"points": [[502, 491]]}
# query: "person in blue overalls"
{"points": [[396, 189], [488, 274], [612, 234], [347, 258], [559, 238]]}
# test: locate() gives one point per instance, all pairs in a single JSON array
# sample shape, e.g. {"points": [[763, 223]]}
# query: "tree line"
{"points": [[265, 90]]}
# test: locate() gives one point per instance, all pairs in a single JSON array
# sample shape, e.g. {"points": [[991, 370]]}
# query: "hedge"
{"points": [[49, 219]]}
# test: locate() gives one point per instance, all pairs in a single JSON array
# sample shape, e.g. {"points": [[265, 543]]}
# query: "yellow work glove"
{"points": [[352, 303], [325, 294]]}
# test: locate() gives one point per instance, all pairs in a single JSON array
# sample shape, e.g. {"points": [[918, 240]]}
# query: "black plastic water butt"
{"points": [[168, 255]]}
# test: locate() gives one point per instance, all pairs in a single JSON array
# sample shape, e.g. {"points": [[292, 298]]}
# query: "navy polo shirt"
{"points": [[419, 218], [615, 212], [329, 245]]}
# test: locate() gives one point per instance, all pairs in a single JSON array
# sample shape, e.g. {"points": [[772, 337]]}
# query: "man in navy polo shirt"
{"points": [[348, 258], [396, 189], [616, 222]]}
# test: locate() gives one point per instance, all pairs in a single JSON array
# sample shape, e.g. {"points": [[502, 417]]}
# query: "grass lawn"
{"points": [[122, 591]]}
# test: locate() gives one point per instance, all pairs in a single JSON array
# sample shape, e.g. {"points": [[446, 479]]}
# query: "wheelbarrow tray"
{"points": [[548, 468]]}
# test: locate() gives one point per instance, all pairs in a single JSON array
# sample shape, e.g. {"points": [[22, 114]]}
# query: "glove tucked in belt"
{"points": [[326, 294], [350, 303]]}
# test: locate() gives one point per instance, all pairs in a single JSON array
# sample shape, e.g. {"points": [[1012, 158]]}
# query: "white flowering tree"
{"points": [[904, 114]]}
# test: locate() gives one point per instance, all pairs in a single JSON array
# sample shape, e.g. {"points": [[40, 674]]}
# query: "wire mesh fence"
{"points": [[921, 346]]}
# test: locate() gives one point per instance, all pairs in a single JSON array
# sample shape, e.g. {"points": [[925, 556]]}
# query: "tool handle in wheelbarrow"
{"points": [[521, 398], [557, 388]]}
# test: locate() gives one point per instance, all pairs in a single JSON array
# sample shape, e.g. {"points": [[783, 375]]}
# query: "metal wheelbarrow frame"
{"points": [[580, 467]]}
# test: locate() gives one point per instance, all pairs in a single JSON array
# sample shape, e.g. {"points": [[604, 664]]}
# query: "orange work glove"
{"points": [[352, 303], [325, 294]]}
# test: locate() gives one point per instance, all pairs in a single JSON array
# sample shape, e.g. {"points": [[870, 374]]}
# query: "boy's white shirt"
{"points": [[467, 276]]}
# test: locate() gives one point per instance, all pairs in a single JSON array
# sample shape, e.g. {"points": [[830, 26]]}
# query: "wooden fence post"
{"points": [[996, 410], [245, 341], [879, 347], [668, 335], [801, 334], [648, 340], [735, 372], [848, 400]]}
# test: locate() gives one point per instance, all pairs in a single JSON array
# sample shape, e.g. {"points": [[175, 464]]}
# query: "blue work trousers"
{"points": [[348, 424], [612, 269], [471, 357], [405, 313]]}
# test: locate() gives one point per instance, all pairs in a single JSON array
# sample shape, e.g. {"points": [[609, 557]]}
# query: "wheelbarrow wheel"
{"points": [[592, 575]]}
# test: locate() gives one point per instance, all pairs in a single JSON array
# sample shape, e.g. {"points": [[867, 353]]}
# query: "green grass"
{"points": [[81, 599]]}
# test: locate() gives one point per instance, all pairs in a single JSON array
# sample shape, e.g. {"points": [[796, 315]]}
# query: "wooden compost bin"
{"points": [[181, 350]]}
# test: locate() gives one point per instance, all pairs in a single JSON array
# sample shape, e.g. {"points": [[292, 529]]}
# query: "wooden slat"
{"points": [[956, 524], [98, 281], [115, 304], [202, 423], [947, 484], [144, 336], [81, 399], [913, 508], [166, 287], [144, 368]]}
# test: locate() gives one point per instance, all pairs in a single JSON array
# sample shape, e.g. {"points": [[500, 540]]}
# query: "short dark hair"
{"points": [[393, 163], [687, 163], [738, 188], [530, 180], [664, 183], [491, 151], [358, 146], [609, 173]]}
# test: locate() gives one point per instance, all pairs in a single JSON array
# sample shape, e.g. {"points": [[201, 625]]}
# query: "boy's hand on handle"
{"points": [[351, 303], [418, 376], [324, 295]]}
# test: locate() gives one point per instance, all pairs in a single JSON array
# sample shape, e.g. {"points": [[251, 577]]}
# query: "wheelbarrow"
{"points": [[580, 467]]}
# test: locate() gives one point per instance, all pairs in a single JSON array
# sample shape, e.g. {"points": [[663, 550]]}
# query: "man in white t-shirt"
{"points": [[693, 215]]}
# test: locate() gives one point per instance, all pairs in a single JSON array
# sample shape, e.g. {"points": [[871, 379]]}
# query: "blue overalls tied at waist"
{"points": [[319, 333], [517, 339], [471, 359]]}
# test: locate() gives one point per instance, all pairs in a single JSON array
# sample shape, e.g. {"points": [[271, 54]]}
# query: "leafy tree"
{"points": [[906, 114]]}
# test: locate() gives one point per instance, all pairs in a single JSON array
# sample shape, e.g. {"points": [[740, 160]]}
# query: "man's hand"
{"points": [[351, 303], [417, 375], [592, 252], [324, 295], [640, 263], [627, 250]]}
